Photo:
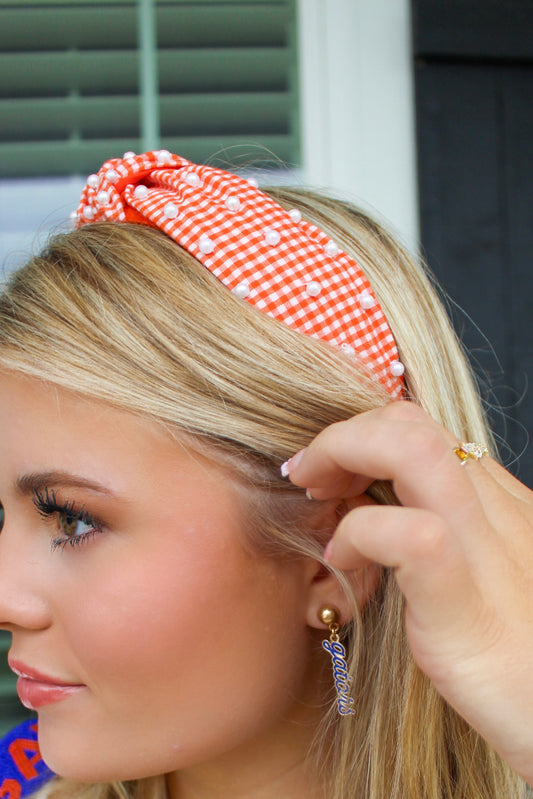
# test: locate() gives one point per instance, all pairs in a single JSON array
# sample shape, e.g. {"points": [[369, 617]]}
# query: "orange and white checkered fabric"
{"points": [[270, 257]]}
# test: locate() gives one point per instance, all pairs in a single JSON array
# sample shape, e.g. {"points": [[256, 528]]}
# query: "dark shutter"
{"points": [[474, 100]]}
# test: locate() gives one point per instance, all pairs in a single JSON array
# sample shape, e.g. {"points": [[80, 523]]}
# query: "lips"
{"points": [[36, 689]]}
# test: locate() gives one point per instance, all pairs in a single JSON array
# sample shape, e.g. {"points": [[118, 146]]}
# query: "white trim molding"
{"points": [[357, 105]]}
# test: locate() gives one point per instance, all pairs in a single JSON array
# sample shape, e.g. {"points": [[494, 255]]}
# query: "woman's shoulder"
{"points": [[23, 772]]}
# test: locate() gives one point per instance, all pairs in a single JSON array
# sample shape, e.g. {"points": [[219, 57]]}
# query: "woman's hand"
{"points": [[462, 549]]}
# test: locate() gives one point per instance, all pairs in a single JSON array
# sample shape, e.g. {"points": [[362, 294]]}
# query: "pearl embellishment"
{"points": [[128, 155], [206, 245], [193, 179], [397, 369], [366, 300], [93, 181], [163, 156], [233, 204], [313, 288], [102, 198], [331, 249], [88, 212], [272, 237], [242, 290], [253, 182], [295, 215], [140, 192], [112, 175], [170, 211]]}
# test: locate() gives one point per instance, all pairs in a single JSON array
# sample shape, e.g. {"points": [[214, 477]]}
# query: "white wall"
{"points": [[357, 105], [29, 210]]}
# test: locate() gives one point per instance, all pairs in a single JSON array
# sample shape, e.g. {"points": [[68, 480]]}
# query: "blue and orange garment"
{"points": [[22, 769]]}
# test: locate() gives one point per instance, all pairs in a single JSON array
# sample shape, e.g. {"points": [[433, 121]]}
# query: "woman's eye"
{"points": [[72, 525], [75, 525]]}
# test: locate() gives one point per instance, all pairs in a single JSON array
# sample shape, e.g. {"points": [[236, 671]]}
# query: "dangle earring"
{"points": [[330, 615]]}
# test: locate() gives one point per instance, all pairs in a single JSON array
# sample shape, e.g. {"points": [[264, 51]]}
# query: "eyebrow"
{"points": [[30, 483]]}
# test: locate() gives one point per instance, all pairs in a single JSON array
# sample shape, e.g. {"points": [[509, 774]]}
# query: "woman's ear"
{"points": [[324, 587]]}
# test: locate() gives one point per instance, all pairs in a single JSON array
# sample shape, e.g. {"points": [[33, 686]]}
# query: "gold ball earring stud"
{"points": [[328, 614]]}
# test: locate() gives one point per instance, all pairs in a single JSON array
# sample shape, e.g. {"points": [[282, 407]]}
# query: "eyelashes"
{"points": [[75, 524]]}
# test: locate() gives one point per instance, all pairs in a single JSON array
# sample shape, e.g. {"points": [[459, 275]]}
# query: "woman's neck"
{"points": [[280, 764]]}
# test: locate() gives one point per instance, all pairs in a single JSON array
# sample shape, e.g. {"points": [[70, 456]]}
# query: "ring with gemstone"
{"points": [[470, 451]]}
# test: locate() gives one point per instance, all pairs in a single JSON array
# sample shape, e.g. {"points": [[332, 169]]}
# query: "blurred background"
{"points": [[420, 110]]}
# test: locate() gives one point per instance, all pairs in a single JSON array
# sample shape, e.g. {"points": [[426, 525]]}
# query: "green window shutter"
{"points": [[70, 77], [11, 711]]}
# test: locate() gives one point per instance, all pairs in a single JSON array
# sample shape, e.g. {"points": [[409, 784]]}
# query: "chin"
{"points": [[82, 758]]}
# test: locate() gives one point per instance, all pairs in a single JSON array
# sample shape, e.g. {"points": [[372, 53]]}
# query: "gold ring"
{"points": [[470, 451]]}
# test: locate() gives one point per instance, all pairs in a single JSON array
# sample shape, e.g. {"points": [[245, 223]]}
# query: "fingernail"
{"points": [[308, 493], [287, 467], [328, 550]]}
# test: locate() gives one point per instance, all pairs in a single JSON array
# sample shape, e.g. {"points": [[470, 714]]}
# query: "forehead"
{"points": [[44, 427]]}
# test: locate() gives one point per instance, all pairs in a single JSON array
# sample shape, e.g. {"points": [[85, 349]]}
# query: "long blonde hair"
{"points": [[122, 314]]}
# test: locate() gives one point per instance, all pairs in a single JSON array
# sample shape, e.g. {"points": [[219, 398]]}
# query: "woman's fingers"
{"points": [[399, 443]]}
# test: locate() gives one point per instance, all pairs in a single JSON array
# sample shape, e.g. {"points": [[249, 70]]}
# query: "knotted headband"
{"points": [[270, 257]]}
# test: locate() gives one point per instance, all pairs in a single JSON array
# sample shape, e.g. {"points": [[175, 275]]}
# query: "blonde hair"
{"points": [[120, 313]]}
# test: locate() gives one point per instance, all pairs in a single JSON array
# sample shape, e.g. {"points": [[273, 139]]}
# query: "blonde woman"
{"points": [[254, 544]]}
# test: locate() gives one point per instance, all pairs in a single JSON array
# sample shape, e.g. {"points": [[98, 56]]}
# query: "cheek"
{"points": [[141, 603], [195, 607], [194, 646]]}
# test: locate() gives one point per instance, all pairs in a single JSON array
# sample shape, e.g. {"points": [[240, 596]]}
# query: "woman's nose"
{"points": [[22, 602]]}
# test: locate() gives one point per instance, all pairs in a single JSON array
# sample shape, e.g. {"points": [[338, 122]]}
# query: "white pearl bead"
{"points": [[102, 198], [88, 212], [163, 156], [206, 245], [128, 155], [193, 179], [242, 290], [140, 192], [112, 175], [397, 369], [170, 211], [295, 215], [313, 288], [233, 204], [366, 300], [73, 216], [348, 349], [272, 237], [253, 182], [331, 249], [93, 181]]}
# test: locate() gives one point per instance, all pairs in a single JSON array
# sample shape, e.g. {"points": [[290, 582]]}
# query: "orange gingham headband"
{"points": [[273, 259]]}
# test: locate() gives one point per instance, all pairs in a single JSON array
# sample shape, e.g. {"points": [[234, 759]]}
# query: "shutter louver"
{"points": [[69, 81]]}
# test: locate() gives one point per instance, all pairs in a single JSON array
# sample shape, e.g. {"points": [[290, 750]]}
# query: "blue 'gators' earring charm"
{"points": [[330, 615]]}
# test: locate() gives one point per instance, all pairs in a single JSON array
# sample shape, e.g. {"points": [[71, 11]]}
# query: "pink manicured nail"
{"points": [[287, 467], [328, 550]]}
